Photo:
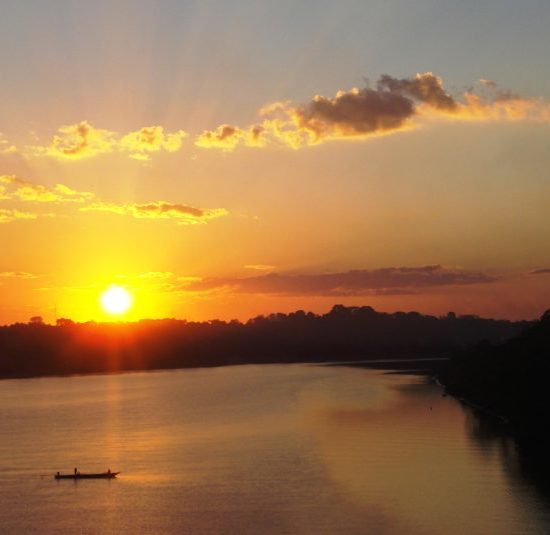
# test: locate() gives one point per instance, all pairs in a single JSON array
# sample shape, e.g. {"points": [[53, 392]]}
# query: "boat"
{"points": [[80, 475]]}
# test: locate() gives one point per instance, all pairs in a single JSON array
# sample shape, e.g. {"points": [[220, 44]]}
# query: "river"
{"points": [[256, 449]]}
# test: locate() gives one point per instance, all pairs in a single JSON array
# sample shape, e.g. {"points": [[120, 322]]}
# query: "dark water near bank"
{"points": [[256, 449]]}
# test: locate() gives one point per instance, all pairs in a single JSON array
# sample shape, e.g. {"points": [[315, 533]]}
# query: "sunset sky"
{"points": [[228, 159]]}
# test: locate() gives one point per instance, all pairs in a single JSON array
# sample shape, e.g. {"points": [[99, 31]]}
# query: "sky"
{"points": [[229, 159]]}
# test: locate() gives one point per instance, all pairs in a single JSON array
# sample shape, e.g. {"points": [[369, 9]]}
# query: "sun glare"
{"points": [[116, 300]]}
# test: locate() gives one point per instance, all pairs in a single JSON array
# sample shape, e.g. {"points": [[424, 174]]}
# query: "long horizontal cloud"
{"points": [[17, 275], [182, 213], [543, 271], [82, 140], [392, 105], [13, 187], [392, 280], [8, 215]]}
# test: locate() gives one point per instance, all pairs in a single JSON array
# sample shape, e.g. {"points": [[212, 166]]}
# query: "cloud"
{"points": [[151, 139], [5, 146], [17, 275], [385, 281], [182, 213], [259, 267], [393, 105], [424, 87], [156, 275], [227, 137], [17, 189], [82, 140], [23, 190], [7, 215], [543, 271]]}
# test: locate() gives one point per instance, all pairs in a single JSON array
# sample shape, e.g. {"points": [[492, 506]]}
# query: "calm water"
{"points": [[255, 449]]}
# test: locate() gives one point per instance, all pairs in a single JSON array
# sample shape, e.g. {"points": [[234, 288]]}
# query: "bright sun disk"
{"points": [[116, 300]]}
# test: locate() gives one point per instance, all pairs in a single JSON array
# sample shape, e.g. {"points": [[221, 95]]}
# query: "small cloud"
{"points": [[188, 278], [83, 140], [8, 215], [227, 137], [17, 275], [259, 267], [156, 275], [80, 140], [101, 206], [151, 139], [5, 146], [543, 271], [182, 213], [23, 190]]}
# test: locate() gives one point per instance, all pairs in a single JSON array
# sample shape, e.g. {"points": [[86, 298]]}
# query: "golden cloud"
{"points": [[16, 189], [82, 140], [24, 190], [7, 215], [393, 105], [5, 146], [182, 213], [156, 275], [260, 267], [17, 275], [151, 139], [227, 137]]}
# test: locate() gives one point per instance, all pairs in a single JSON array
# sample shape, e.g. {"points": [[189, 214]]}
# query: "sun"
{"points": [[116, 300]]}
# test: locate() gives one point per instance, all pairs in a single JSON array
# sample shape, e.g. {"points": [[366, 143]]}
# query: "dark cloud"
{"points": [[542, 271], [355, 112], [361, 112], [385, 281], [423, 87]]}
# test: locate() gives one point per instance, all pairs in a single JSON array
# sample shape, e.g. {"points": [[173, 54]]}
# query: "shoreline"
{"points": [[395, 364]]}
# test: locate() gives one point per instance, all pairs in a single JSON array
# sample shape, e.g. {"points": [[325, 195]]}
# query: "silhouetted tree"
{"points": [[64, 322]]}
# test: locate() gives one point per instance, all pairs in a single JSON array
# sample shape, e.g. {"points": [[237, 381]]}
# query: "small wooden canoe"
{"points": [[78, 475]]}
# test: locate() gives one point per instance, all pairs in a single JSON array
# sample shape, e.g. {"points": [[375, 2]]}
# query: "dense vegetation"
{"points": [[345, 333], [509, 379]]}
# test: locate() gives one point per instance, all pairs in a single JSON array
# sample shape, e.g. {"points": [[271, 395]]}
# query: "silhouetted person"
{"points": [[75, 472]]}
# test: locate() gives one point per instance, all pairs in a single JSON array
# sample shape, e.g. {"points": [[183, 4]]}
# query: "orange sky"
{"points": [[254, 175]]}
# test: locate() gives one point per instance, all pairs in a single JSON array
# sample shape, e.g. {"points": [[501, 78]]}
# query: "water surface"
{"points": [[255, 449]]}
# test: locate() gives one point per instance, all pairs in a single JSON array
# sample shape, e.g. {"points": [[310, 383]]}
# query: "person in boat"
{"points": [[75, 472], [109, 472]]}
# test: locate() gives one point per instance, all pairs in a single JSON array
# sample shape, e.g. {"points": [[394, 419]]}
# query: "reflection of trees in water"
{"points": [[525, 455]]}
